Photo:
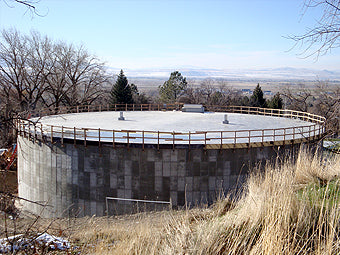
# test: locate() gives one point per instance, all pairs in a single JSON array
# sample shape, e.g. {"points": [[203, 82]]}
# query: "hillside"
{"points": [[288, 209], [292, 209]]}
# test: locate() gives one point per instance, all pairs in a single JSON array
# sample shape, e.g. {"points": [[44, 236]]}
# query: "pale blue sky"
{"points": [[223, 34]]}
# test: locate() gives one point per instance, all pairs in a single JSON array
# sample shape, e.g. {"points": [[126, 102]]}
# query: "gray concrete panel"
{"points": [[76, 179]]}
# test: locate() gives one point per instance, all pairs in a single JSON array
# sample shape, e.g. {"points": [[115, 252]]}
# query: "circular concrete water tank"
{"points": [[73, 162]]}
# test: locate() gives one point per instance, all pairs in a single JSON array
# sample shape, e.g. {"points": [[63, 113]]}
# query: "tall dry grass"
{"points": [[292, 208]]}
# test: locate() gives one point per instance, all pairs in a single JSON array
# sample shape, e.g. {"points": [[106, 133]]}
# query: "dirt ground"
{"points": [[9, 182]]}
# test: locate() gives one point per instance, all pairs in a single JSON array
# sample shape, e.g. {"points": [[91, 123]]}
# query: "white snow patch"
{"points": [[19, 242]]}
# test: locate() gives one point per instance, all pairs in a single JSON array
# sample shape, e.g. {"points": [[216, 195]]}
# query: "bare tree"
{"points": [[30, 4], [85, 75], [24, 66], [38, 68], [192, 96], [297, 99], [56, 80], [211, 93], [43, 72], [324, 100], [320, 39], [7, 106], [207, 89], [36, 71], [229, 95], [327, 104], [13, 63]]}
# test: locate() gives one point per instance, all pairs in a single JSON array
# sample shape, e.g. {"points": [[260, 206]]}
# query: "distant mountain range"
{"points": [[285, 73]]}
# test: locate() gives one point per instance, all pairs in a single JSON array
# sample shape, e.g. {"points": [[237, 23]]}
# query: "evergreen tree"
{"points": [[276, 102], [121, 91], [173, 88], [257, 99]]}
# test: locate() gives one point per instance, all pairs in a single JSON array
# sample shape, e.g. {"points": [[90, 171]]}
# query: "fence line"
{"points": [[28, 128], [134, 200]]}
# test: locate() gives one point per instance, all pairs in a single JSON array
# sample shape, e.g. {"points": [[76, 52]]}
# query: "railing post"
{"points": [[158, 140], [41, 131], [284, 136], [74, 136], [128, 140], [99, 137], [85, 137], [52, 134], [173, 140], [18, 126], [62, 136], [189, 139], [143, 139], [35, 132], [221, 139], [29, 130], [113, 138]]}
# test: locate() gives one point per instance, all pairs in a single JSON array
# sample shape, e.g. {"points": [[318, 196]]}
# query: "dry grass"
{"points": [[288, 209], [292, 209]]}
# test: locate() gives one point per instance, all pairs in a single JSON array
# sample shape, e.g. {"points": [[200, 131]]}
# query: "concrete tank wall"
{"points": [[75, 180]]}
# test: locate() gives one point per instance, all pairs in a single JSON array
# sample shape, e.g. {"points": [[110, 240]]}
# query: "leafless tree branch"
{"points": [[30, 4], [324, 36]]}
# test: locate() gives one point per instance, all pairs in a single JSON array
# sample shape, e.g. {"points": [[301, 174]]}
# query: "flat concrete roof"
{"points": [[174, 127], [171, 121]]}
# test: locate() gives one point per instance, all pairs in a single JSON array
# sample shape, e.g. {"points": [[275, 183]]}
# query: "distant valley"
{"points": [[149, 79]]}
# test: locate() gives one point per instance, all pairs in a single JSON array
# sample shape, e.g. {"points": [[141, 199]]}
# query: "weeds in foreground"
{"points": [[288, 209]]}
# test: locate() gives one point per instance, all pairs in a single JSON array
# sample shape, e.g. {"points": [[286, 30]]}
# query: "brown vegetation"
{"points": [[288, 209]]}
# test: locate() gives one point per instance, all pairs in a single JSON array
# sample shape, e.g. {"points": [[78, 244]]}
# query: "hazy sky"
{"points": [[223, 34]]}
